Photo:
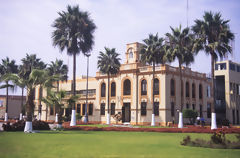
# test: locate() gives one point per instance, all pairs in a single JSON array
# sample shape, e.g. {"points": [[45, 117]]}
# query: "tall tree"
{"points": [[179, 45], [214, 37], [153, 53], [58, 68], [74, 32], [29, 63], [35, 78], [7, 66], [109, 63]]}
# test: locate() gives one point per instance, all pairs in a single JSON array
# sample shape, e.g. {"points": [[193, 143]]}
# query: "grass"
{"points": [[62, 144]]}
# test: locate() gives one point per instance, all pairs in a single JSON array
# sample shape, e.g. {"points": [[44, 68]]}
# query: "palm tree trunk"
{"points": [[180, 121], [108, 109], [74, 77], [20, 118], [57, 86], [213, 117], [6, 113], [29, 111], [73, 117], [40, 104], [7, 98], [153, 110]]}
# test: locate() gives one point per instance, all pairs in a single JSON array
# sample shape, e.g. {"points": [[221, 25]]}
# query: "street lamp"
{"points": [[86, 114]]}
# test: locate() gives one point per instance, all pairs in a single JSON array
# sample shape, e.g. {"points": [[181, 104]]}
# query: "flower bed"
{"points": [[132, 129]]}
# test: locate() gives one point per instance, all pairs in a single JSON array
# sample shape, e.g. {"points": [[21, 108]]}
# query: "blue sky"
{"points": [[26, 26]]}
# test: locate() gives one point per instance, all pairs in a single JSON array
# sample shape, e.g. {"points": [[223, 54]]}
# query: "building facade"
{"points": [[131, 93], [227, 75], [14, 105]]}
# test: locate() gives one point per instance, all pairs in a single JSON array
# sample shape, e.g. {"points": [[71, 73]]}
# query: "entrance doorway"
{"points": [[126, 112]]}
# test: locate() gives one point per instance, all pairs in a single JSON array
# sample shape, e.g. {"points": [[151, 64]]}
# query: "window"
{"points": [[193, 90], [156, 86], [232, 67], [84, 107], [40, 92], [130, 53], [84, 92], [201, 110], [187, 106], [208, 91], [238, 89], [209, 110], [221, 66], [144, 87], [172, 87], [79, 108], [193, 106], [187, 89], [103, 90], [143, 108], [102, 111], [112, 108], [156, 108], [172, 109], [1, 103], [200, 91], [90, 109], [113, 89], [51, 110], [233, 116], [127, 87], [238, 68]]}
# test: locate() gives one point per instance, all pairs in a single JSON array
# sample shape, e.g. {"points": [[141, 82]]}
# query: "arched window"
{"points": [[113, 89], [103, 90], [127, 87], [156, 86], [130, 53], [144, 87], [172, 85], [193, 90], [200, 91], [187, 89]]}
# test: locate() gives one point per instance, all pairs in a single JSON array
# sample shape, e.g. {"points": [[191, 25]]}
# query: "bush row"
{"points": [[169, 130], [19, 126]]}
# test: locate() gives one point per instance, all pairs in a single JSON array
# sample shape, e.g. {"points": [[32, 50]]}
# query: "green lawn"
{"points": [[71, 144]]}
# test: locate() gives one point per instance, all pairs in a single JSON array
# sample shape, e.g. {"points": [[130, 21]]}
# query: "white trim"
{"points": [[108, 118], [213, 121], [28, 127], [73, 118], [153, 120], [6, 117], [180, 121]]}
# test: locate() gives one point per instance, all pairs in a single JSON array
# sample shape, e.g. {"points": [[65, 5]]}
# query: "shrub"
{"points": [[190, 114], [19, 126]]}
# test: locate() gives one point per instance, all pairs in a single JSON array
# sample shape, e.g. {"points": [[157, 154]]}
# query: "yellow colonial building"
{"points": [[131, 91]]}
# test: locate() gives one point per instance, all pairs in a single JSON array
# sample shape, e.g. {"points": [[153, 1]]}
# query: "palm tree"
{"points": [[58, 68], [35, 78], [214, 37], [7, 66], [179, 45], [152, 53], [21, 73], [29, 63], [56, 99], [109, 63], [74, 32]]}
